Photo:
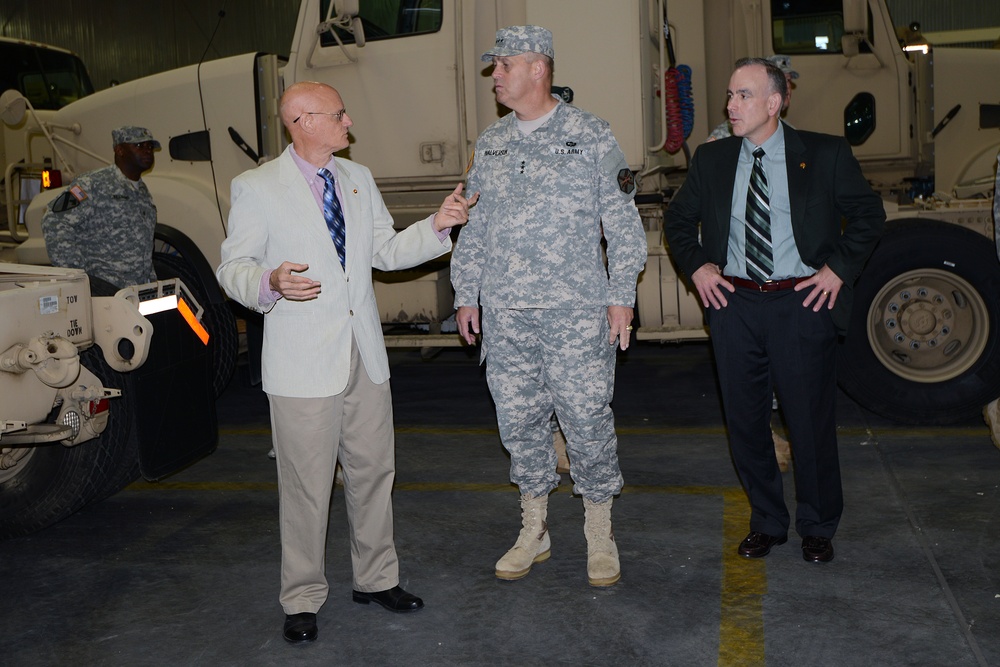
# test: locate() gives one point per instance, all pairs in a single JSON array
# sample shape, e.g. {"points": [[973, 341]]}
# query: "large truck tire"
{"points": [[46, 486], [924, 340], [119, 458], [55, 481], [122, 464], [218, 319]]}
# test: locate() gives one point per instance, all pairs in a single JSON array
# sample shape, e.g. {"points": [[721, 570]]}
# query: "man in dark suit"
{"points": [[774, 266]]}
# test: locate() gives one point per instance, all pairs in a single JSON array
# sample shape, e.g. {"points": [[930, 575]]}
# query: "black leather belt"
{"points": [[769, 286]]}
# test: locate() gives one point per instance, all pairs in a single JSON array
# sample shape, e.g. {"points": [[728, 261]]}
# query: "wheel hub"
{"points": [[928, 325]]}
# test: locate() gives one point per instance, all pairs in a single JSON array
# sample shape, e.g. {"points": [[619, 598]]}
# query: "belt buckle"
{"points": [[769, 286]]}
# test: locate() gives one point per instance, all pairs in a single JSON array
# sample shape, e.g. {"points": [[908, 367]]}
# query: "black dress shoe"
{"points": [[758, 545], [394, 599], [817, 549], [300, 628]]}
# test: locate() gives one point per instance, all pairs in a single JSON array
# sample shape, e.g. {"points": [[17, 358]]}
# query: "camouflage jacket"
{"points": [[103, 224], [534, 238]]}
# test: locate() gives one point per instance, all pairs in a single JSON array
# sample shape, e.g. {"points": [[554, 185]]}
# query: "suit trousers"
{"points": [[766, 342], [309, 435]]}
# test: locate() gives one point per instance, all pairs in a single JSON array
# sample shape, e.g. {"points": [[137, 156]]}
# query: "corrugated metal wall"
{"points": [[126, 39], [938, 15]]}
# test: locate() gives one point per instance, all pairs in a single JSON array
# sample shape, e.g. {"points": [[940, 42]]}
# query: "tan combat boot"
{"points": [[991, 415], [603, 568], [532, 544]]}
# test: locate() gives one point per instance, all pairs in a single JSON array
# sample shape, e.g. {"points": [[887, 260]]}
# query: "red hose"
{"points": [[675, 123]]}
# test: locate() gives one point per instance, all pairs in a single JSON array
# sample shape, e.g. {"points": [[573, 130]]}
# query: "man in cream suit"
{"points": [[325, 370]]}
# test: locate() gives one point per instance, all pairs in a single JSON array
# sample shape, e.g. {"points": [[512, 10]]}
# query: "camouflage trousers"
{"points": [[543, 360]]}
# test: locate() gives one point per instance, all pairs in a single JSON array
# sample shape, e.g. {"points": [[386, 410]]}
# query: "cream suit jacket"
{"points": [[274, 218]]}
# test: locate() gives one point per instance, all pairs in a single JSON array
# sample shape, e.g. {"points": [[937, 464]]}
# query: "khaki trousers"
{"points": [[309, 434]]}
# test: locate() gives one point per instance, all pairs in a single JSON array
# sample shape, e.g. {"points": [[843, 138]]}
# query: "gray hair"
{"points": [[779, 83]]}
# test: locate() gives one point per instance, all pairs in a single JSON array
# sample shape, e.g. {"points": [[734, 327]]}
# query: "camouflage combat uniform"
{"points": [[531, 257], [104, 224], [721, 131]]}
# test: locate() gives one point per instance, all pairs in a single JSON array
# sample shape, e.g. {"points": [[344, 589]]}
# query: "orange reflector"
{"points": [[188, 314]]}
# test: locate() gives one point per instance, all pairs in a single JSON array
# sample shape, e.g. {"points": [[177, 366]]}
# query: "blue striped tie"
{"points": [[334, 216], [760, 257]]}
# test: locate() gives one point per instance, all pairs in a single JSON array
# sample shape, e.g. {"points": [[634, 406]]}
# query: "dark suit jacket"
{"points": [[836, 217]]}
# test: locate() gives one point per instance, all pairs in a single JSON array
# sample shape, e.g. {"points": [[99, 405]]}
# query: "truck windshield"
{"points": [[807, 26], [49, 78], [385, 20]]}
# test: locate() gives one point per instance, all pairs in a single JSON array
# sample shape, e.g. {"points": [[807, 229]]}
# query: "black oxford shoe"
{"points": [[758, 545], [300, 628], [394, 599], [817, 549]]}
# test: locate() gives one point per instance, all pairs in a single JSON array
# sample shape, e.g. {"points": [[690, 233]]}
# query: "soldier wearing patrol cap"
{"points": [[552, 178], [104, 222]]}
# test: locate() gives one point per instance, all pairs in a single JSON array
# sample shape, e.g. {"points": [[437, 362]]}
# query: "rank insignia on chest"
{"points": [[626, 181]]}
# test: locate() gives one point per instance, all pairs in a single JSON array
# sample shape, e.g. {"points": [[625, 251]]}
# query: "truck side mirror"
{"points": [[347, 17], [850, 45], [855, 27], [13, 107]]}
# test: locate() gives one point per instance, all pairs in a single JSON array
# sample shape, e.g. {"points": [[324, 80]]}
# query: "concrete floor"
{"points": [[185, 571]]}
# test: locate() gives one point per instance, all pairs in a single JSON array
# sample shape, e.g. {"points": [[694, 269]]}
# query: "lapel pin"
{"points": [[802, 165]]}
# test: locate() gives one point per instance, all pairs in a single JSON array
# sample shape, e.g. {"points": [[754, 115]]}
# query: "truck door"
{"points": [[864, 96], [401, 88]]}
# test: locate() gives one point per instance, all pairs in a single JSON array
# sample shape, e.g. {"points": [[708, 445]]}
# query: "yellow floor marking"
{"points": [[744, 583]]}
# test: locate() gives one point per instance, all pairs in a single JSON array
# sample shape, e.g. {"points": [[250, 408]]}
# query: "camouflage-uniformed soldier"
{"points": [[105, 220], [549, 175], [784, 63]]}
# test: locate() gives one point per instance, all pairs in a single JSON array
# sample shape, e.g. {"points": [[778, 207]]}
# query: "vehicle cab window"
{"points": [[389, 19]]}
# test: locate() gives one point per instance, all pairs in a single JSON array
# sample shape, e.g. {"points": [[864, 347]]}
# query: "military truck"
{"points": [[72, 388], [925, 345], [50, 78]]}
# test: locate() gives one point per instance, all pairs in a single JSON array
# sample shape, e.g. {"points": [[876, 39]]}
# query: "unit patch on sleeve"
{"points": [[626, 181], [65, 202]]}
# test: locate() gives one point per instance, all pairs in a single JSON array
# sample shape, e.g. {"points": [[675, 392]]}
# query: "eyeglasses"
{"points": [[339, 115]]}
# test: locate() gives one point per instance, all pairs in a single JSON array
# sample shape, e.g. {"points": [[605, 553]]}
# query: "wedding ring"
{"points": [[628, 328]]}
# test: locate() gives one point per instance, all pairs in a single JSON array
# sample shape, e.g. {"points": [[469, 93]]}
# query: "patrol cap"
{"points": [[784, 63], [130, 134], [517, 39]]}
